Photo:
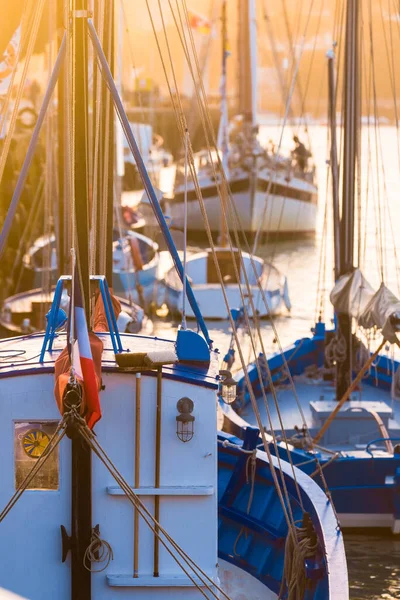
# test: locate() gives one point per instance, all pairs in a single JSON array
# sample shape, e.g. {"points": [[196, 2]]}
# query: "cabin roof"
{"points": [[20, 356]]}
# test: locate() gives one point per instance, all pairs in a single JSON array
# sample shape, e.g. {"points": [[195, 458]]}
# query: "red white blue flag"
{"points": [[82, 359]]}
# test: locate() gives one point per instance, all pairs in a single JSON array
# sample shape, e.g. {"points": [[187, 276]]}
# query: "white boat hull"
{"points": [[268, 287], [212, 302], [294, 213]]}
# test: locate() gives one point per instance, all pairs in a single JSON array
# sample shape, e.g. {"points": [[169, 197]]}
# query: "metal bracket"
{"points": [[110, 316]]}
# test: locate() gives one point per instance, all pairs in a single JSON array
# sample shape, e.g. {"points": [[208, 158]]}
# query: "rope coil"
{"points": [[99, 551]]}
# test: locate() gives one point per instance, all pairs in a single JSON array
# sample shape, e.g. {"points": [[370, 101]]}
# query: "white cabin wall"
{"points": [[197, 268], [191, 520], [30, 540]]}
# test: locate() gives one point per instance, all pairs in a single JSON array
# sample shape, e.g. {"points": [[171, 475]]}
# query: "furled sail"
{"points": [[351, 294], [383, 312], [354, 296]]}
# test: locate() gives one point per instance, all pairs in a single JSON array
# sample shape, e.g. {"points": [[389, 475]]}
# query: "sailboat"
{"points": [[256, 176], [135, 256], [152, 503], [265, 281], [347, 436], [135, 264]]}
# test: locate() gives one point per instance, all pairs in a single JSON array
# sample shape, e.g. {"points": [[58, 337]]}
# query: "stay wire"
{"points": [[29, 52], [236, 273], [149, 519], [262, 292], [179, 118], [233, 327]]}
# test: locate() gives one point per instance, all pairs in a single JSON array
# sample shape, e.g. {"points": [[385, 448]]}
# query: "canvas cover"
{"points": [[351, 294], [381, 312]]}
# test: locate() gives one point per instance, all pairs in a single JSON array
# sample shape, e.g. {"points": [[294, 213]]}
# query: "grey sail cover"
{"points": [[379, 311], [351, 294]]}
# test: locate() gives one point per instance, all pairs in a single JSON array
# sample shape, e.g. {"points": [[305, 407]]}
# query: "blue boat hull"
{"points": [[365, 489]]}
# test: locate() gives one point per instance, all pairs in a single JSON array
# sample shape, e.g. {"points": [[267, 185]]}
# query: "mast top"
{"points": [[247, 53]]}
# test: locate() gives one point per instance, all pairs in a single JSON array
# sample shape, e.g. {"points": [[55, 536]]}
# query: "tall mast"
{"points": [[80, 122], [108, 128], [223, 142], [60, 226], [334, 160], [247, 53], [350, 155], [81, 469]]}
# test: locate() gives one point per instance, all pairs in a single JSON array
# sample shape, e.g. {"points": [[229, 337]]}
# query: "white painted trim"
{"points": [[201, 490], [150, 581]]}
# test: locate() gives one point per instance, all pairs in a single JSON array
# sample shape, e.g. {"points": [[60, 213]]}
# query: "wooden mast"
{"points": [[334, 160], [224, 129], [349, 162], [81, 470], [247, 73], [61, 147], [80, 127]]}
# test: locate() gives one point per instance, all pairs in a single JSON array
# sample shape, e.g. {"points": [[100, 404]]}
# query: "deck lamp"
{"points": [[185, 420], [227, 387]]}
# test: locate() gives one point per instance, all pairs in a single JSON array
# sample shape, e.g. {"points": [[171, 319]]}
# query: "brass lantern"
{"points": [[185, 420], [227, 387]]}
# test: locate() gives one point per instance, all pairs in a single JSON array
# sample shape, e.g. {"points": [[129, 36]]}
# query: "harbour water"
{"points": [[374, 561]]}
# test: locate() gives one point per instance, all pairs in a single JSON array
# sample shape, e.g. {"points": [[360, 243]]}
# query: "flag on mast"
{"points": [[199, 23], [81, 355]]}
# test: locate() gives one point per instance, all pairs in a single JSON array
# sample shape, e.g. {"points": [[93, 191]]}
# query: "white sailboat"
{"points": [[256, 175], [263, 278]]}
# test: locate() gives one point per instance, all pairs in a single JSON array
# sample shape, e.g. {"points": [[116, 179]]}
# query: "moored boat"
{"points": [[273, 194], [269, 287], [335, 403], [135, 262]]}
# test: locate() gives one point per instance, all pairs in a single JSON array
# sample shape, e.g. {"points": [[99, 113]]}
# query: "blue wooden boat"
{"points": [[360, 460], [252, 564], [337, 405], [135, 264]]}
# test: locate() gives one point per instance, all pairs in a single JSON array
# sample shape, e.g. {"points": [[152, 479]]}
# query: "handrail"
{"points": [[390, 439]]}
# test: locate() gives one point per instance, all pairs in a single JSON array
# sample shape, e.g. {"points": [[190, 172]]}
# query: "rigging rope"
{"points": [[179, 117], [232, 208], [33, 30], [149, 519], [286, 509]]}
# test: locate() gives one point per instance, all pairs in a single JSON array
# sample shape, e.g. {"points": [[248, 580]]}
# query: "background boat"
{"points": [[272, 193]]}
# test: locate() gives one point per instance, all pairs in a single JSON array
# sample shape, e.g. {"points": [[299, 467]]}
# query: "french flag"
{"points": [[82, 359]]}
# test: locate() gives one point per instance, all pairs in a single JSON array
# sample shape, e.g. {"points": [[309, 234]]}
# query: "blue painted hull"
{"points": [[364, 488], [254, 538], [125, 284]]}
